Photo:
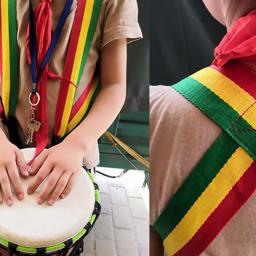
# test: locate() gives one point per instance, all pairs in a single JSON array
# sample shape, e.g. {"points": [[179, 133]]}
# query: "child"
{"points": [[55, 55]]}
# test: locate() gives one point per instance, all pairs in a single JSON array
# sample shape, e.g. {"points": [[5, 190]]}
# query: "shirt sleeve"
{"points": [[121, 21]]}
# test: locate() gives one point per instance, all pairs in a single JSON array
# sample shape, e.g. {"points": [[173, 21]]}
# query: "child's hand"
{"points": [[61, 162], [11, 158]]}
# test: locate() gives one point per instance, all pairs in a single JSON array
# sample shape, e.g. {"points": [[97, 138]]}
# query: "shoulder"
{"points": [[171, 109], [120, 20], [181, 128], [169, 106], [121, 9], [128, 3]]}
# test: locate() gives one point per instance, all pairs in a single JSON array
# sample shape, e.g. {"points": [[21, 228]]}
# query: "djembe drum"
{"points": [[28, 228]]}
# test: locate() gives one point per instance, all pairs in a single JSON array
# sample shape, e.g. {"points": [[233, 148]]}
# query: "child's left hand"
{"points": [[61, 164]]}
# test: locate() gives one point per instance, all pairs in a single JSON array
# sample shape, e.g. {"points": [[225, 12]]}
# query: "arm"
{"points": [[62, 171], [109, 101]]}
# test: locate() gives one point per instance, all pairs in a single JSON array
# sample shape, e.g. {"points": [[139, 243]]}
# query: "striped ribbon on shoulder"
{"points": [[225, 177], [70, 114]]}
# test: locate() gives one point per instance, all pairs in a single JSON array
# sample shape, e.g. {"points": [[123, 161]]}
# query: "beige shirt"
{"points": [[180, 136], [118, 19]]}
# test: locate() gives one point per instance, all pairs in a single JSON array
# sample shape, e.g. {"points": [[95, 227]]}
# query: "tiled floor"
{"points": [[122, 228]]}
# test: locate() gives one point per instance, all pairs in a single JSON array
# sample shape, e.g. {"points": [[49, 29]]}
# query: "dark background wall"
{"points": [[138, 65], [182, 38]]}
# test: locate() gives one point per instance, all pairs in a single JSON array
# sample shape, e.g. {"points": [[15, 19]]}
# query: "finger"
{"points": [[38, 162], [21, 163], [58, 190], [15, 180], [1, 196], [49, 185], [40, 177], [69, 186], [6, 187]]}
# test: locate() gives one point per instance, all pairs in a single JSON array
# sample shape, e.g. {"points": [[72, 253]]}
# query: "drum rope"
{"points": [[112, 176], [124, 171]]}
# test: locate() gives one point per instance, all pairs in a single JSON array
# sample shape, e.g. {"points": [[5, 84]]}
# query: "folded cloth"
{"points": [[239, 43]]}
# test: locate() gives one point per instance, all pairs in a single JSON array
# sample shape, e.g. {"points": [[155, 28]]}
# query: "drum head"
{"points": [[28, 224]]}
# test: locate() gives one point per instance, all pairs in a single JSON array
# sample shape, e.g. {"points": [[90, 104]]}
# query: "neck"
{"points": [[234, 12]]}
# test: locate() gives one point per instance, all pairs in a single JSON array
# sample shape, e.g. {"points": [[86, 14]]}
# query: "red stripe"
{"points": [[236, 198], [81, 99], [241, 75], [69, 62]]}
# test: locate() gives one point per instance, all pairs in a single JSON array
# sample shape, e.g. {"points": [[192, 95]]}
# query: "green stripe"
{"points": [[92, 219], [220, 112], [90, 176], [55, 247], [4, 242], [97, 196], [14, 57], [199, 179], [26, 249], [79, 235], [92, 28]]}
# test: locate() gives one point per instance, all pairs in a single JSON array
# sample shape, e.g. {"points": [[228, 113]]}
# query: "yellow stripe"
{"points": [[80, 114], [5, 57], [76, 67], [213, 195], [229, 92]]}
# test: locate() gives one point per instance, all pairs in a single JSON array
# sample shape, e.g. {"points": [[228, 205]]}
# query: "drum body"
{"points": [[28, 228]]}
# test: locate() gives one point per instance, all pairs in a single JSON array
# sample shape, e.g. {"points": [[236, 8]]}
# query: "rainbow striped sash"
{"points": [[9, 57], [225, 177], [70, 113], [71, 108]]}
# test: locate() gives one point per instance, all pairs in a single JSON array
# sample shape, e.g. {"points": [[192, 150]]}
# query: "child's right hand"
{"points": [[11, 158]]}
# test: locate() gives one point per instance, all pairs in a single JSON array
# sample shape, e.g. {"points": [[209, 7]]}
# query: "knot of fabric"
{"points": [[239, 43], [52, 75]]}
